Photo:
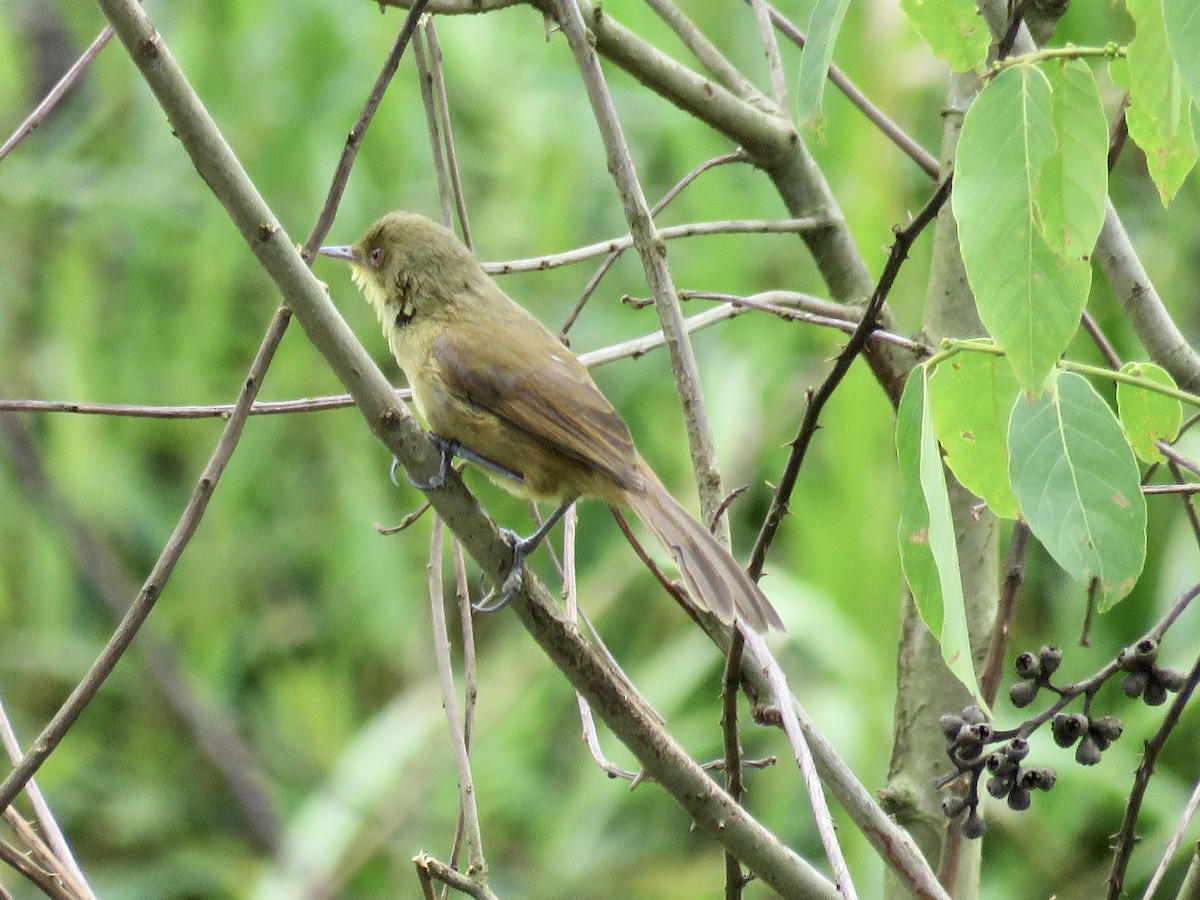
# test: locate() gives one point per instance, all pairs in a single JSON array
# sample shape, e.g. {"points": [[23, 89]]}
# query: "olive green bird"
{"points": [[498, 389]]}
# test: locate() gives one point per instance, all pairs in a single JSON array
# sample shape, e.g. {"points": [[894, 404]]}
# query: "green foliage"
{"points": [[1029, 296], [1077, 483], [927, 544], [953, 29], [1148, 416], [1160, 111], [1181, 21], [822, 35], [971, 397]]}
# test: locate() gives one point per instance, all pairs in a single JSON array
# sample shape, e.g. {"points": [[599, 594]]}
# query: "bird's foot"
{"points": [[500, 596]]}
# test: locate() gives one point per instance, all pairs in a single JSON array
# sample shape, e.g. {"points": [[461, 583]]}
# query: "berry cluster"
{"points": [[1144, 677], [968, 734]]}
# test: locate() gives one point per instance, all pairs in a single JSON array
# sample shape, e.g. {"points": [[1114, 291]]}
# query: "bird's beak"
{"points": [[342, 251]]}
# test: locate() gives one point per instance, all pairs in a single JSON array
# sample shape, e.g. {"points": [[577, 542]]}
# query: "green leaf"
{"points": [[1146, 415], [823, 28], [1029, 297], [1182, 21], [1160, 112], [928, 552], [970, 398], [953, 29], [1077, 482], [1074, 181]]}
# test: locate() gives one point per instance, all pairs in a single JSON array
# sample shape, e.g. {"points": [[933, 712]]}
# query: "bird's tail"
{"points": [[714, 579]]}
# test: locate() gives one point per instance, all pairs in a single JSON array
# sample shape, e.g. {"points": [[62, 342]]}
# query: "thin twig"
{"points": [[665, 233], [35, 118], [1013, 573], [215, 411], [1092, 327], [762, 14], [649, 246], [462, 762], [735, 879], [48, 884], [610, 260], [785, 702], [1126, 836], [425, 79], [41, 855], [1189, 810], [428, 867], [447, 130], [54, 836], [808, 427], [897, 135], [341, 174], [722, 70]]}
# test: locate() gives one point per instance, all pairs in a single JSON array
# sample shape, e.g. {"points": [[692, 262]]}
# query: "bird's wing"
{"points": [[550, 395]]}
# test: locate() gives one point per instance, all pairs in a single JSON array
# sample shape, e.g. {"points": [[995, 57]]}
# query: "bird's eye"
{"points": [[376, 254]]}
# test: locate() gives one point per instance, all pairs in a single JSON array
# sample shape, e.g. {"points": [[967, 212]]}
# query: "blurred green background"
{"points": [[124, 282]]}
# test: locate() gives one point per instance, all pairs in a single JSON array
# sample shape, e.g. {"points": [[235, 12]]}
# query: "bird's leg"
{"points": [[521, 547], [449, 449]]}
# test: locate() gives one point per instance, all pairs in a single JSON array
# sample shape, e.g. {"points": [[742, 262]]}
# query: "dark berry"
{"points": [[1068, 727], [1023, 693], [1017, 749], [1155, 693], [1135, 683], [1027, 666], [973, 715], [1018, 798], [1038, 777], [973, 827], [1049, 657], [999, 785], [1088, 751], [1171, 679], [1108, 727], [950, 726]]}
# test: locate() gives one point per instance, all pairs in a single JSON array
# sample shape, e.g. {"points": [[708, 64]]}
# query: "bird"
{"points": [[497, 388]]}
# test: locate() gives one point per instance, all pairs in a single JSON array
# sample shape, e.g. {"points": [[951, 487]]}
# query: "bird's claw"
{"points": [[521, 548], [447, 449]]}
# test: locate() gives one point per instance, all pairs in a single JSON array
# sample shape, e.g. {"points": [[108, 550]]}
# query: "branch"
{"points": [[43, 109], [666, 233], [653, 255], [458, 741]]}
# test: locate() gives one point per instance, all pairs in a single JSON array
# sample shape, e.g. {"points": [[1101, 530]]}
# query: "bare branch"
{"points": [[666, 233], [721, 69], [653, 255], [43, 109], [458, 743]]}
